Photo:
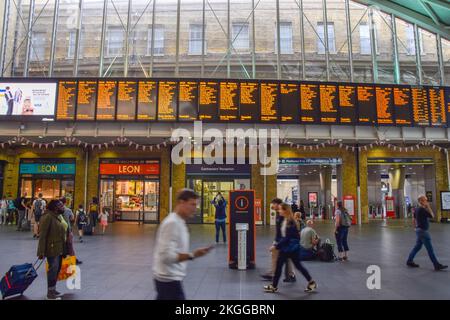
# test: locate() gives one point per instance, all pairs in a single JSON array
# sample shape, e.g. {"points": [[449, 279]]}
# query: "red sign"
{"points": [[349, 204], [129, 169], [390, 208]]}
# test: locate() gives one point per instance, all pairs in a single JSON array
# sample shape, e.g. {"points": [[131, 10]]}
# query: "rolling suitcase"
{"points": [[18, 279]]}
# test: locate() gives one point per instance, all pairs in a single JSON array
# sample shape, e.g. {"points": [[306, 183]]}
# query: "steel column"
{"points": [[373, 47], [177, 45], [418, 58], [326, 42], [53, 44], [349, 40], [78, 38], [26, 64], [397, 77], [103, 36], [4, 36], [278, 41]]}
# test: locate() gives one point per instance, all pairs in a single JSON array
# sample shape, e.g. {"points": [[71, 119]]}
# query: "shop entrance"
{"points": [[50, 189], [393, 186], [316, 182]]}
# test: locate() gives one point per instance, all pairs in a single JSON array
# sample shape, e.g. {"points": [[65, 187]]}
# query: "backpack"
{"points": [[38, 207], [82, 218], [346, 220], [326, 252]]}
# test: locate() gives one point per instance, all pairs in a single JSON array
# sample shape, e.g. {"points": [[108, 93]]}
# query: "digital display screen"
{"points": [[249, 102], [419, 101], [310, 103], [269, 101], [28, 99], [402, 105], [67, 100], [289, 102], [208, 105], [438, 112], [167, 101], [347, 104], [329, 103], [106, 100], [385, 108], [147, 96], [188, 101], [366, 104], [126, 100], [86, 99], [229, 101]]}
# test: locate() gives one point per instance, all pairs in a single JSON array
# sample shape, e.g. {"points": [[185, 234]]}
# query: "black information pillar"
{"points": [[242, 222]]}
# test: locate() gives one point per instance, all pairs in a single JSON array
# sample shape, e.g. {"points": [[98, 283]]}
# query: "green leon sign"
{"points": [[47, 168]]}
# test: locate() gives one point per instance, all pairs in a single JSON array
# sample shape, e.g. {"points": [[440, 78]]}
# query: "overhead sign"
{"points": [[129, 167], [47, 168], [218, 169], [310, 161], [405, 161]]}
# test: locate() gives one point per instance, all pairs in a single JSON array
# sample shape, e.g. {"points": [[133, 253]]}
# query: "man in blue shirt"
{"points": [[421, 216], [221, 216]]}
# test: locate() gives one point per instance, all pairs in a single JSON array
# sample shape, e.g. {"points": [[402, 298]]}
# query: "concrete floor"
{"points": [[118, 265]]}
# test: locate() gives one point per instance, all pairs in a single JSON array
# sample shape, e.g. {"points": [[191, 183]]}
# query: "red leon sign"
{"points": [[129, 169]]}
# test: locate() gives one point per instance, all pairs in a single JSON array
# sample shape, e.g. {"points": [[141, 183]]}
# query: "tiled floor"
{"points": [[118, 265]]}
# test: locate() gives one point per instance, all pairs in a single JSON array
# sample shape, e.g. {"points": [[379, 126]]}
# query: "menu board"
{"points": [[106, 100], [188, 101], [67, 100], [269, 101], [208, 93], [402, 105], [310, 103], [438, 112], [167, 101], [147, 94], [126, 100], [366, 104], [86, 98], [229, 101], [249, 102], [385, 107], [347, 104], [419, 101], [328, 103], [289, 103]]}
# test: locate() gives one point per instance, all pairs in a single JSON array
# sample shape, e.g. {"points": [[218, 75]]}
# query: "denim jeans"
{"points": [[54, 266], [423, 238], [20, 219], [172, 290], [306, 254], [221, 225], [341, 239]]}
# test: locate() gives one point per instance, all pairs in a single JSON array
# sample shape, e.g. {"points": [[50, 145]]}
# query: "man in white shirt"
{"points": [[172, 248], [9, 101]]}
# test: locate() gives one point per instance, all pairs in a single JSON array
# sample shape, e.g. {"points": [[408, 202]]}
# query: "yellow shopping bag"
{"points": [[66, 271]]}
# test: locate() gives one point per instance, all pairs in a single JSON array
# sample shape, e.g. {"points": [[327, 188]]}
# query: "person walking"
{"points": [[52, 244], [289, 248], [37, 209], [221, 216], [289, 273], [421, 223], [342, 225], [21, 207], [81, 220], [93, 213], [70, 220], [171, 251], [3, 210], [103, 218], [11, 211]]}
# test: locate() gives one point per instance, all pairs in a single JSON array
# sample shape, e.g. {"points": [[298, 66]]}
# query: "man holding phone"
{"points": [[421, 216], [172, 248]]}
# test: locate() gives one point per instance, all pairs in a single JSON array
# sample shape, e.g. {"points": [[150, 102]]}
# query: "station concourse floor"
{"points": [[118, 265]]}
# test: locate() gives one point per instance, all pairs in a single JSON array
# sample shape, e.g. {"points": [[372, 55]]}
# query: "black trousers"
{"points": [[172, 290], [282, 260]]}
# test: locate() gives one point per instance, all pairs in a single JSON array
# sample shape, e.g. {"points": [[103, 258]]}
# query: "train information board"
{"points": [[126, 100], [67, 100], [86, 99]]}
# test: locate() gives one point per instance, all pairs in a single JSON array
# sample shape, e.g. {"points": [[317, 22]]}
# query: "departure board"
{"points": [[269, 101], [167, 101], [147, 94], [86, 98], [208, 105], [249, 102], [310, 103], [438, 112], [67, 100], [328, 103], [347, 104], [366, 104], [402, 105], [289, 103], [385, 107], [447, 103], [188, 101], [229, 101], [106, 100], [419, 101], [126, 100]]}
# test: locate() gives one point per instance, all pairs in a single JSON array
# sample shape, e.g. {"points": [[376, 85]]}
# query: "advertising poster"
{"points": [[27, 99]]}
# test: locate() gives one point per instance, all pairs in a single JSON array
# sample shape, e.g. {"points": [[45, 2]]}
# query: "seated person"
{"points": [[309, 240]]}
